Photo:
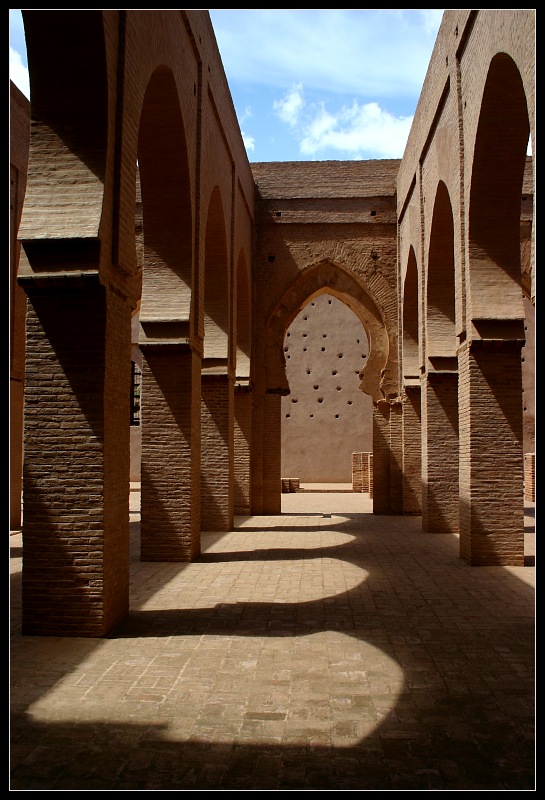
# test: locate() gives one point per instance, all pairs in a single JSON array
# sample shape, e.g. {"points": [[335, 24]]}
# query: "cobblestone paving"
{"points": [[325, 648]]}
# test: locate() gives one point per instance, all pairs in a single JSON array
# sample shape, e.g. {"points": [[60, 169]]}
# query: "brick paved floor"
{"points": [[323, 648]]}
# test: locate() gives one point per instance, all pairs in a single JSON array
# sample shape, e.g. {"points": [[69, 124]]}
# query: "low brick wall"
{"points": [[362, 473]]}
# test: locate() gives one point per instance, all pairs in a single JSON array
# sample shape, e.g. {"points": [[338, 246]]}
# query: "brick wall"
{"points": [[19, 142]]}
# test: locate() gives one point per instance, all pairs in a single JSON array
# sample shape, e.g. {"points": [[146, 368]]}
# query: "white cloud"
{"points": [[249, 141], [290, 107], [18, 72], [368, 52], [349, 132]]}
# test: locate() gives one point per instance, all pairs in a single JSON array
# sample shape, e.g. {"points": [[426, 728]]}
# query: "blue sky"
{"points": [[314, 84]]}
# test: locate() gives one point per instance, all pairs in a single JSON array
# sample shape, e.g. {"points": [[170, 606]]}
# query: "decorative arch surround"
{"points": [[440, 281], [411, 358], [166, 208], [216, 282], [327, 277], [495, 199]]}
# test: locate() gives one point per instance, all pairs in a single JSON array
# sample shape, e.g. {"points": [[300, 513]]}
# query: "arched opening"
{"points": [[169, 519], [412, 411], [440, 495], [491, 441], [166, 207], [495, 198], [243, 397], [411, 355], [217, 388], [440, 292], [324, 278]]}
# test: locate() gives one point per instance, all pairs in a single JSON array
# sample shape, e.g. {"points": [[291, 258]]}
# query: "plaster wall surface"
{"points": [[326, 417]]}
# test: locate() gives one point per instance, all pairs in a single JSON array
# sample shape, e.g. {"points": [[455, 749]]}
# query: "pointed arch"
{"points": [[166, 205], [411, 358], [440, 282], [216, 281], [495, 198]]}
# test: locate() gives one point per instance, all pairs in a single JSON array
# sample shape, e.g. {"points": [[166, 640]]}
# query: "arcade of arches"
{"points": [[142, 235]]}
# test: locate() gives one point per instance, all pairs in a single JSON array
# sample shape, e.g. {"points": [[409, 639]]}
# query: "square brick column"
{"points": [[440, 456], [387, 458], [256, 453], [396, 457], [77, 454], [170, 466], [381, 458], [491, 453], [412, 451], [272, 451], [217, 452], [243, 438]]}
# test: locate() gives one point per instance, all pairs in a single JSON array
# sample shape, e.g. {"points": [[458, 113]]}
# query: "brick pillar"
{"points": [[217, 452], [272, 444], [256, 454], [242, 446], [412, 460], [396, 458], [440, 457], [170, 466], [387, 483], [381, 458], [77, 453], [491, 453]]}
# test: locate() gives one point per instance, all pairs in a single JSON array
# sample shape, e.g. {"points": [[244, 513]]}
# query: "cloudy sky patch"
{"points": [[313, 83]]}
